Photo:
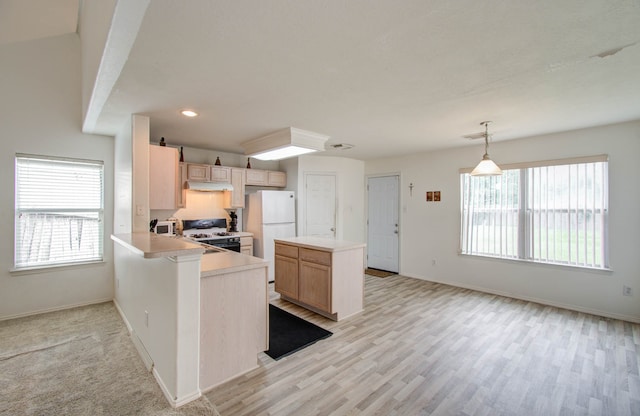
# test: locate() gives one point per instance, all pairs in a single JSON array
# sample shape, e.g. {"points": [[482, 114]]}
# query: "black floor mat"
{"points": [[289, 333]]}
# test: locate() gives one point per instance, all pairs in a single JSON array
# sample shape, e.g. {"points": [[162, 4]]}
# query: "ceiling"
{"points": [[391, 77], [24, 20]]}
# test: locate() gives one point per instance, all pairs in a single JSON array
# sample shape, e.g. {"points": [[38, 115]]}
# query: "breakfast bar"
{"points": [[197, 320]]}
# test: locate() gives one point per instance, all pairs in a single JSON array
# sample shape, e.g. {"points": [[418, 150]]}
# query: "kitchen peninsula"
{"points": [[321, 274], [196, 319]]}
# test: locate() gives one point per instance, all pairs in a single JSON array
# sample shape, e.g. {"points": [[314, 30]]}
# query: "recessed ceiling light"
{"points": [[189, 113]]}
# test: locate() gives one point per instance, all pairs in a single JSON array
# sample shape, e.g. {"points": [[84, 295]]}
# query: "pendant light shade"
{"points": [[486, 167]]}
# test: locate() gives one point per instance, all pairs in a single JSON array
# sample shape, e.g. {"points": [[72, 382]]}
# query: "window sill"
{"points": [[54, 267], [536, 263]]}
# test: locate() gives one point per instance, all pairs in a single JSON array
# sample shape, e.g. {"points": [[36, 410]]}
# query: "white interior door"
{"points": [[382, 224], [320, 205]]}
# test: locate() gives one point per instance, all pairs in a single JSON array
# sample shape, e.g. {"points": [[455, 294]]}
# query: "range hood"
{"points": [[208, 186]]}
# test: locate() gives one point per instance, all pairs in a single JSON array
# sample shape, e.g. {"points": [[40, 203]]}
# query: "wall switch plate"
{"points": [[626, 291]]}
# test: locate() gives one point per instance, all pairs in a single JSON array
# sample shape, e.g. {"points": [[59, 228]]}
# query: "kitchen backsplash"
{"points": [[200, 205]]}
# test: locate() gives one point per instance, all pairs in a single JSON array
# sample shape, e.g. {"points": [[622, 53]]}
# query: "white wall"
{"points": [[160, 300], [350, 195], [430, 231], [208, 156], [41, 114], [140, 169], [95, 22], [123, 180]]}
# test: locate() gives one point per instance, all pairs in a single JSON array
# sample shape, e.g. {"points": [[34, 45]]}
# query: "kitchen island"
{"points": [[196, 319], [321, 274]]}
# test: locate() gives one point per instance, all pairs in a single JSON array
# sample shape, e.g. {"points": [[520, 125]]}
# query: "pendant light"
{"points": [[486, 167]]}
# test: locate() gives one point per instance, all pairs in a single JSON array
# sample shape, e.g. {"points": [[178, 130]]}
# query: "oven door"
{"points": [[222, 243]]}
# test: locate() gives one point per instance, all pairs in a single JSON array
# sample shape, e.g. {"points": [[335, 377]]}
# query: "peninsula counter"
{"points": [[196, 319]]}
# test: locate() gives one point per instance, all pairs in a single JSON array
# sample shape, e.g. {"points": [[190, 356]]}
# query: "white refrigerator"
{"points": [[269, 215]]}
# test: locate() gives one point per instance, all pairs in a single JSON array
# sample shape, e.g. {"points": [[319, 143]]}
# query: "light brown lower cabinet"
{"points": [[246, 245], [327, 278]]}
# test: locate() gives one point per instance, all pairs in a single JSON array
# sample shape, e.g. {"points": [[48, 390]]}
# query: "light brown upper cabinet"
{"points": [[197, 172], [260, 177], [238, 182], [256, 177], [275, 178], [220, 174], [163, 177]]}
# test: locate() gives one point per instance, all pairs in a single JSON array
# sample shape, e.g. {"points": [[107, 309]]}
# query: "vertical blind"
{"points": [[547, 212], [59, 207]]}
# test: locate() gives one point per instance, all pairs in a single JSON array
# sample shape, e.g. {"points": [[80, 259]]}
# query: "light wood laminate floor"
{"points": [[422, 348]]}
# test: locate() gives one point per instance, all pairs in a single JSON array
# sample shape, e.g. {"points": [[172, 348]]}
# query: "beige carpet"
{"points": [[79, 361]]}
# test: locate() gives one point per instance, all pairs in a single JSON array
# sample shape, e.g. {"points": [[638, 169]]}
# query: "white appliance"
{"points": [[167, 227], [269, 215]]}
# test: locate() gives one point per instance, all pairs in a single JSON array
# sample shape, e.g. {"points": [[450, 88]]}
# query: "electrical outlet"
{"points": [[139, 210], [626, 291]]}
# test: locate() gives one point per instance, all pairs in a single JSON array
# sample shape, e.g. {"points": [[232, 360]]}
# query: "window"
{"points": [[58, 211], [546, 212]]}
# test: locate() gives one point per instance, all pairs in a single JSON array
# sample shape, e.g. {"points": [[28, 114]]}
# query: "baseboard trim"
{"points": [[124, 318], [137, 342], [55, 309], [175, 401], [560, 305], [148, 363], [207, 389]]}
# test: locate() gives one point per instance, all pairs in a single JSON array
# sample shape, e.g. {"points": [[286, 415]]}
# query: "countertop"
{"points": [[150, 245], [323, 244], [227, 261]]}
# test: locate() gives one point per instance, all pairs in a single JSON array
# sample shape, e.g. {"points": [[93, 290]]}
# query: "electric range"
{"points": [[211, 232]]}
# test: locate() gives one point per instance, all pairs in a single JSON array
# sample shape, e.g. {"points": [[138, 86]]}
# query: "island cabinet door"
{"points": [[286, 276], [315, 285]]}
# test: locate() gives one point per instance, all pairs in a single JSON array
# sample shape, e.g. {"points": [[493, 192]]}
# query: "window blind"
{"points": [[59, 207], [547, 212]]}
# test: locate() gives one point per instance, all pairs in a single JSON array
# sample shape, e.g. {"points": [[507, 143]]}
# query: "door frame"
{"points": [[399, 202]]}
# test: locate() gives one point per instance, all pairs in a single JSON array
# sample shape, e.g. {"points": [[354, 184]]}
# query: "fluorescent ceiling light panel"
{"points": [[285, 143], [283, 153]]}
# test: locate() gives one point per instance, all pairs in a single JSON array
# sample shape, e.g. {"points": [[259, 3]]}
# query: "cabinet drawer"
{"points": [[246, 241], [315, 256], [287, 251]]}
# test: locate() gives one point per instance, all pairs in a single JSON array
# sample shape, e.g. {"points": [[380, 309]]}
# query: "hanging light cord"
{"points": [[486, 138]]}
